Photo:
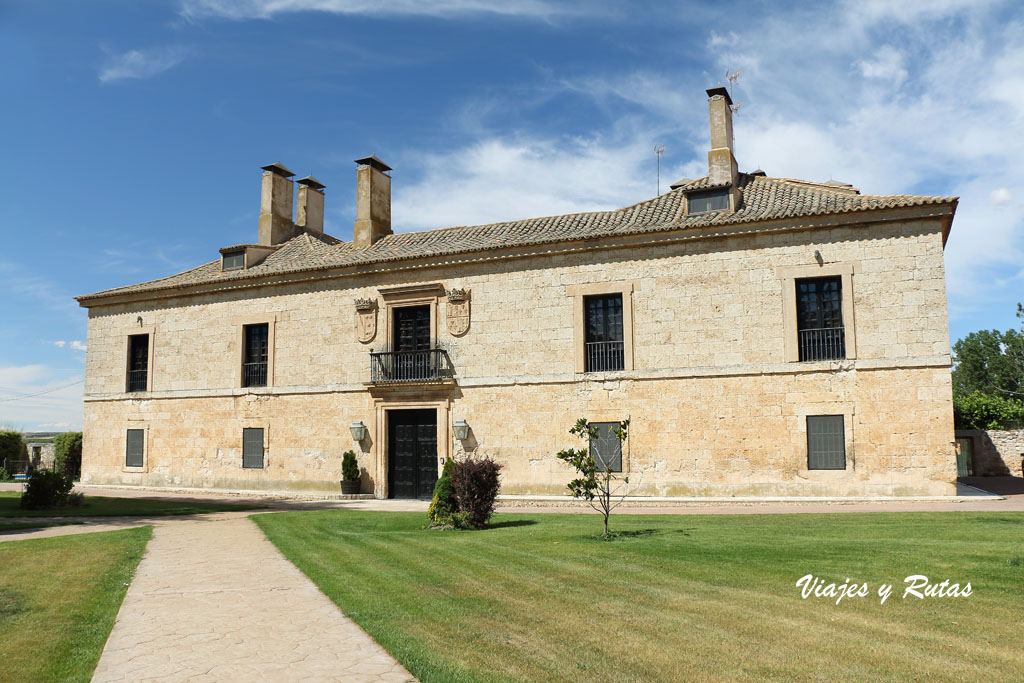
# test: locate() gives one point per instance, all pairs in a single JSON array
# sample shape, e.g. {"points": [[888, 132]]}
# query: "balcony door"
{"points": [[411, 342], [412, 453]]}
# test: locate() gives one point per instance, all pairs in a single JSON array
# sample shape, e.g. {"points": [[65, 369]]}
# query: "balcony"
{"points": [[137, 380], [254, 374], [410, 367], [823, 343], [605, 356]]}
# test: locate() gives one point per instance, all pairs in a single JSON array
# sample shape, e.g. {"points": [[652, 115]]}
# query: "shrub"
{"points": [[476, 484], [67, 453], [5, 475], [984, 411], [349, 468], [443, 505], [46, 489], [12, 448]]}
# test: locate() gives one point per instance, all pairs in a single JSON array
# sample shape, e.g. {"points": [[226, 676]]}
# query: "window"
{"points": [[135, 448], [604, 341], [710, 200], [233, 260], [826, 442], [252, 447], [254, 363], [605, 448], [819, 317], [138, 363]]}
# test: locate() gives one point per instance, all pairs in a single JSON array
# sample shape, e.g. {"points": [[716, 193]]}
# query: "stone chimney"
{"points": [[276, 206], [722, 169], [309, 214], [373, 201]]}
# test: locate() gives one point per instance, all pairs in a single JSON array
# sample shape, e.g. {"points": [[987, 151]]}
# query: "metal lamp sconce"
{"points": [[358, 430], [461, 429]]}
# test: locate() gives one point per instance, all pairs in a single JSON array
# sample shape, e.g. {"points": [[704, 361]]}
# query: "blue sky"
{"points": [[134, 131]]}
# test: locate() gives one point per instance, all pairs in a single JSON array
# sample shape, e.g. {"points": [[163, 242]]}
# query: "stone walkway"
{"points": [[214, 600]]}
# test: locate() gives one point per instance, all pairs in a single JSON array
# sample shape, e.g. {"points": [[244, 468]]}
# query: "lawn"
{"points": [[58, 601], [541, 597], [106, 506]]}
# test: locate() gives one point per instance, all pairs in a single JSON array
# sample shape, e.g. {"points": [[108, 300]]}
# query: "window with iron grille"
{"points": [[138, 363], [603, 345], [709, 200], [254, 363], [605, 448], [135, 448], [826, 442], [819, 318], [252, 447]]}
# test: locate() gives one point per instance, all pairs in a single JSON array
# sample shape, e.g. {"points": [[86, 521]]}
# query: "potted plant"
{"points": [[349, 473]]}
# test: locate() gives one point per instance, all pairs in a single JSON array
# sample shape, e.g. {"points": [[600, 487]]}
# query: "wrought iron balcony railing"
{"points": [[605, 356], [824, 343], [254, 374], [396, 367], [137, 380]]}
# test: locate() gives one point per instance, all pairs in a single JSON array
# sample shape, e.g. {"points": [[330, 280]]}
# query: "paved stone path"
{"points": [[214, 600]]}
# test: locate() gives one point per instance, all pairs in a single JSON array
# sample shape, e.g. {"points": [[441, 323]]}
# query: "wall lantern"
{"points": [[358, 430], [461, 429]]}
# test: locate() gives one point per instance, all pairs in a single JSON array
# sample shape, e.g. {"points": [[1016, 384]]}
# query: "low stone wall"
{"points": [[40, 455], [997, 453]]}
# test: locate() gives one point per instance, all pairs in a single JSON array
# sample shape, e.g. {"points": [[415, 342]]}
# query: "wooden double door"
{"points": [[412, 453]]}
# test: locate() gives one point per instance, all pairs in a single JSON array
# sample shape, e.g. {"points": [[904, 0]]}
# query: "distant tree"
{"points": [[67, 453], [990, 362], [603, 489], [12, 449]]}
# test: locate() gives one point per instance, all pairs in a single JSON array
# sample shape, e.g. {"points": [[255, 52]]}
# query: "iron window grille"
{"points": [[605, 448], [252, 447], [826, 442], [819, 313], [254, 366], [138, 363], [135, 448], [604, 347]]}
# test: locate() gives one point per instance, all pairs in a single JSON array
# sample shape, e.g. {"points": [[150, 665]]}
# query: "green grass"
{"points": [[58, 601], [18, 526], [106, 506], [541, 597]]}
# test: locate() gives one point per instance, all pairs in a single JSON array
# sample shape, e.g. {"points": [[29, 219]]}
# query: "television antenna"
{"points": [[658, 151], [732, 78]]}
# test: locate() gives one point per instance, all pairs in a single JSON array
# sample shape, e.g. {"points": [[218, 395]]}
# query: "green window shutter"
{"points": [[826, 442], [136, 445], [252, 447], [606, 448]]}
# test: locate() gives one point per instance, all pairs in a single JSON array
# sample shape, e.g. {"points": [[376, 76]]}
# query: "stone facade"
{"points": [[716, 402], [996, 452]]}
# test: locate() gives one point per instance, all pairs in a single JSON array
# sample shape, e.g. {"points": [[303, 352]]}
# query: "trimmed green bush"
{"points": [[984, 411], [443, 506], [46, 489], [349, 467], [12, 448], [67, 453]]}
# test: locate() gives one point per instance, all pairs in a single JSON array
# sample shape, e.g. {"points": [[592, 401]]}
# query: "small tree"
{"points": [[443, 506], [599, 486], [475, 483], [67, 453], [349, 466]]}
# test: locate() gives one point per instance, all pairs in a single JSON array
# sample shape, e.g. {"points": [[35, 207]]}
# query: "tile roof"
{"points": [[763, 199]]}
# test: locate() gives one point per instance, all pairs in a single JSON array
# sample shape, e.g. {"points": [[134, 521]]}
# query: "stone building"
{"points": [[764, 336]]}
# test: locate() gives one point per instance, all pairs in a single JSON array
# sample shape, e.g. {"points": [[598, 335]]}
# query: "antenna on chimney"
{"points": [[658, 151], [732, 78]]}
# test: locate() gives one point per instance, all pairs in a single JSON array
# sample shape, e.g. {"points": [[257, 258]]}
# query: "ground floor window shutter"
{"points": [[252, 447], [826, 442], [134, 451]]}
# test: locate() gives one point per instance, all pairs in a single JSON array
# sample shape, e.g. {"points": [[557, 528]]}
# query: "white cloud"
{"points": [[33, 395], [887, 65], [265, 9], [59, 344], [78, 346], [141, 63], [1000, 196]]}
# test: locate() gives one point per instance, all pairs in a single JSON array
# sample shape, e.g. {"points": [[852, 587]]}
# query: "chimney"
{"points": [[373, 201], [722, 168], [276, 206], [309, 214]]}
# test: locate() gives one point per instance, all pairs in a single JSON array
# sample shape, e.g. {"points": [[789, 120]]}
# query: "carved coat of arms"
{"points": [[366, 320], [458, 312]]}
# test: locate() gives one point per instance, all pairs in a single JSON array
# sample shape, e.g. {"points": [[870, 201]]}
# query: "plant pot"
{"points": [[350, 487]]}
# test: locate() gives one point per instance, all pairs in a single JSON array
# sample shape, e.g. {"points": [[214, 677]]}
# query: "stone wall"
{"points": [[997, 453], [44, 458], [715, 405]]}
